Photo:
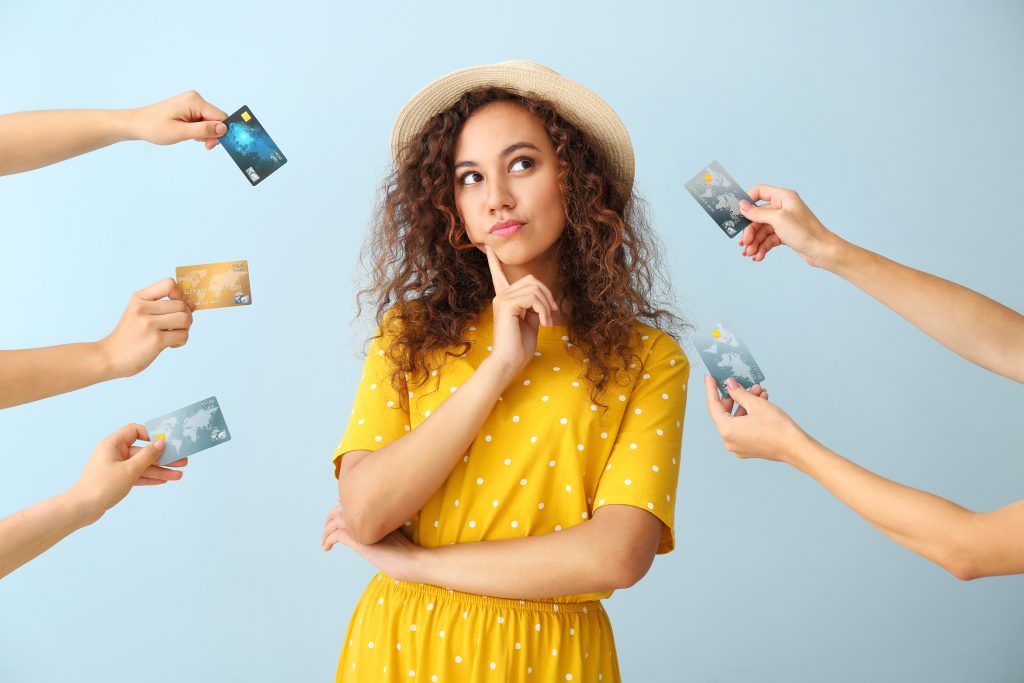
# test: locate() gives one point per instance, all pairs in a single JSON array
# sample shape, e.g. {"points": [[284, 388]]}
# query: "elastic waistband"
{"points": [[425, 589]]}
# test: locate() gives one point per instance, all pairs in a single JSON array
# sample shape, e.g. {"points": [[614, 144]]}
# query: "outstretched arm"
{"points": [[969, 324], [33, 139], [149, 324], [967, 544], [114, 468], [612, 550]]}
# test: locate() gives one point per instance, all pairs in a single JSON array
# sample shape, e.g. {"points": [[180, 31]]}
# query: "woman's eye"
{"points": [[522, 164], [471, 178]]}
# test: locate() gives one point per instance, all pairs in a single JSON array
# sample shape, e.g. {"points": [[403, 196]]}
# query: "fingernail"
{"points": [[221, 129], [731, 382], [159, 444], [744, 204]]}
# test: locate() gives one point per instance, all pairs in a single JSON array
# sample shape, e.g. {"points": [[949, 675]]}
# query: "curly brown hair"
{"points": [[428, 283]]}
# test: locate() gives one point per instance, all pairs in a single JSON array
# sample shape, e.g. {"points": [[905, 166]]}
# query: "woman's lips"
{"points": [[506, 228]]}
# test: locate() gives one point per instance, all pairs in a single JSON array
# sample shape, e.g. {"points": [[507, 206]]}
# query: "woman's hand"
{"points": [[156, 318], [394, 554], [519, 311], [784, 219], [183, 117], [758, 429], [116, 466]]}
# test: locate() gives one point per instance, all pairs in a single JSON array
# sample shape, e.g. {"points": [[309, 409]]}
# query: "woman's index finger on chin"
{"points": [[497, 274]]}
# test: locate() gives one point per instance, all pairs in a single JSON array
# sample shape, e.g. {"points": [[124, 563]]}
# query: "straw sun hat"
{"points": [[577, 104]]}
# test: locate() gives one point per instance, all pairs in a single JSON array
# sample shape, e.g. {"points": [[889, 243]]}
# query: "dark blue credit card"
{"points": [[249, 145]]}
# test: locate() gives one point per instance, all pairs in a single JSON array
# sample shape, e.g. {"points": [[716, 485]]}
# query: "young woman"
{"points": [[513, 450]]}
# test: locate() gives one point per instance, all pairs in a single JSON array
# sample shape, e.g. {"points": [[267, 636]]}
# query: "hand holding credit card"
{"points": [[189, 430], [215, 285], [725, 356], [720, 195], [251, 147]]}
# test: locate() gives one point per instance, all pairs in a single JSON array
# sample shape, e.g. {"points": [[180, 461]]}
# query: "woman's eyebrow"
{"points": [[515, 147], [518, 146]]}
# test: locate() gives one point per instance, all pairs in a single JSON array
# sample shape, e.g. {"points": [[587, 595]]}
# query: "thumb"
{"points": [[758, 214], [202, 130], [146, 457], [740, 395]]}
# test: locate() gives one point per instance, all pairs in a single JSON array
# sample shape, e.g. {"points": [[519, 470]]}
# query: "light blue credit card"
{"points": [[189, 430], [725, 356]]}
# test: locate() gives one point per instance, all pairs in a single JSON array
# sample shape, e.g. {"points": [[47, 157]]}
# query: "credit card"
{"points": [[720, 195], [725, 356], [216, 285], [250, 146], [189, 430]]}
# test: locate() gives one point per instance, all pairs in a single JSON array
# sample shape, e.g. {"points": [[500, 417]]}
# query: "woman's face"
{"points": [[506, 183]]}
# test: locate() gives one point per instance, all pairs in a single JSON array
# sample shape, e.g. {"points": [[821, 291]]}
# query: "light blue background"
{"points": [[899, 125]]}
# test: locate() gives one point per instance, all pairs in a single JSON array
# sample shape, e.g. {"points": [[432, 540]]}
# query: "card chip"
{"points": [[245, 116], [708, 178], [160, 437]]}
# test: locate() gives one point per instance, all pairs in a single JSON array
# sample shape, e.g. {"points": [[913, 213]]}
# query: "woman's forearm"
{"points": [[33, 139], [30, 532], [951, 314], [559, 563], [384, 489], [931, 526], [613, 550], [31, 374]]}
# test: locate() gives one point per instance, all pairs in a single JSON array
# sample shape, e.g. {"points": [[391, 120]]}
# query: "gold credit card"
{"points": [[216, 285]]}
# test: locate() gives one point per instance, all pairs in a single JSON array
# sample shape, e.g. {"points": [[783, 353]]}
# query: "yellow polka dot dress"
{"points": [[544, 460]]}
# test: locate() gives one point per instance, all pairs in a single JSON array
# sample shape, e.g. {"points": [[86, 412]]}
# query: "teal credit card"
{"points": [[189, 430], [248, 143], [725, 356]]}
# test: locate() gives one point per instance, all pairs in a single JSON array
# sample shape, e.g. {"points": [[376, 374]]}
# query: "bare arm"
{"points": [[612, 550], [150, 323], [33, 139], [34, 530], [379, 490], [967, 544], [32, 374], [949, 313], [112, 470]]}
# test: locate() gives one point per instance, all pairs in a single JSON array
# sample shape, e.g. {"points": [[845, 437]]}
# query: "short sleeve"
{"points": [[378, 415], [643, 467]]}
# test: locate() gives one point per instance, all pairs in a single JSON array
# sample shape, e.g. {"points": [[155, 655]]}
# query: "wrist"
{"points": [[82, 508], [415, 564], [498, 373], [127, 124], [835, 253], [801, 451], [421, 565], [104, 359]]}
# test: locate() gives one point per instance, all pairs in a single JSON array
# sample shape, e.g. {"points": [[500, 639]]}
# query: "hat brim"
{"points": [[577, 104]]}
